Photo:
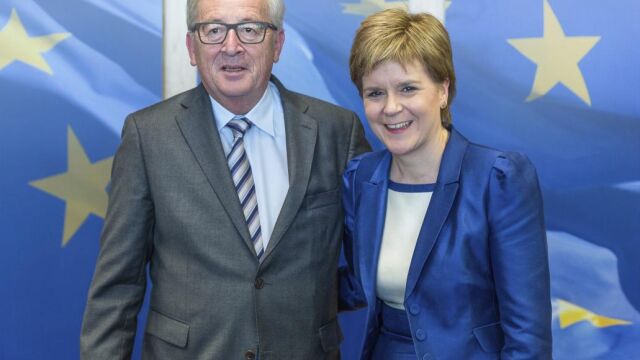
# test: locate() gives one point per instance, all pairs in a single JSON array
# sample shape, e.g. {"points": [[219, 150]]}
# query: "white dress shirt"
{"points": [[266, 147]]}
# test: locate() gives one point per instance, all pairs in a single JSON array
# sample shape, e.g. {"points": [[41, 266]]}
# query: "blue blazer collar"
{"points": [[441, 203], [373, 208], [450, 165], [371, 213], [380, 175]]}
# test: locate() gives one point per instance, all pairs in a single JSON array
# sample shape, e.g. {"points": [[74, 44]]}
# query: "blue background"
{"points": [[587, 156]]}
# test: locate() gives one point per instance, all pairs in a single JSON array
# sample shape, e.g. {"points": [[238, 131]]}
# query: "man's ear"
{"points": [[191, 47], [279, 42]]}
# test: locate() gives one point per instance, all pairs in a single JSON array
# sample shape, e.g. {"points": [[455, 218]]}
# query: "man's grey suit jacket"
{"points": [[173, 206]]}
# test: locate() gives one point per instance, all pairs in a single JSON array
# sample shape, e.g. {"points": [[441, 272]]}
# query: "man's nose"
{"points": [[231, 43]]}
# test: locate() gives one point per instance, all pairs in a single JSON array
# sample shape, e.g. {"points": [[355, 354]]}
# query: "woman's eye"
{"points": [[373, 93], [408, 89]]}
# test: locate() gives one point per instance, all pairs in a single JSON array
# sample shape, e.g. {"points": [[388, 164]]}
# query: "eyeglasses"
{"points": [[252, 32]]}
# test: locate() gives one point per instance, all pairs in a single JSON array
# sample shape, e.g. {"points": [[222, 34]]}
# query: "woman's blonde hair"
{"points": [[396, 35]]}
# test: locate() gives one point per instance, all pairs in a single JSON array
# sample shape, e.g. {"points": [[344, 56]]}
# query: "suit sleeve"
{"points": [[357, 142], [119, 281], [519, 258], [351, 294]]}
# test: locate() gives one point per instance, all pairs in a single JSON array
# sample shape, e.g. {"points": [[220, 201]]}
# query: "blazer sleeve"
{"points": [[519, 258], [351, 294], [119, 281]]}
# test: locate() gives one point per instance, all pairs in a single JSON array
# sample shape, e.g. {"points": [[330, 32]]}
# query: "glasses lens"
{"points": [[251, 33], [212, 33]]}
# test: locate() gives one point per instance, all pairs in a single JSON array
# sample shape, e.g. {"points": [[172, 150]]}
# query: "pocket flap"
{"points": [[331, 336], [490, 337], [163, 327], [322, 199]]}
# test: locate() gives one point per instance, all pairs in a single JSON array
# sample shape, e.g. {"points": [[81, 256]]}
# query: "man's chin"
{"points": [[232, 88]]}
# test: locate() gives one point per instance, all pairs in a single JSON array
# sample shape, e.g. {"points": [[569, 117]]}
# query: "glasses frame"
{"points": [[229, 27]]}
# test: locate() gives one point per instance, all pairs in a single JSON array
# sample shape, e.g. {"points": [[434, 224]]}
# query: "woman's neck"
{"points": [[420, 167]]}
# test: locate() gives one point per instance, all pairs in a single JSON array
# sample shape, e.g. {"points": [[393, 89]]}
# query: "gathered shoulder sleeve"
{"points": [[519, 257]]}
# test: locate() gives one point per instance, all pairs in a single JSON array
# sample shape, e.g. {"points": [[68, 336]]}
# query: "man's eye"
{"points": [[213, 30], [248, 30]]}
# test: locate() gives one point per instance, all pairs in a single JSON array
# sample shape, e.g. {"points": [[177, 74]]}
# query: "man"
{"points": [[242, 254]]}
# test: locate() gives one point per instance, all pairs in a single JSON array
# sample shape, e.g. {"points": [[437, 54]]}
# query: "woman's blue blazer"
{"points": [[478, 283]]}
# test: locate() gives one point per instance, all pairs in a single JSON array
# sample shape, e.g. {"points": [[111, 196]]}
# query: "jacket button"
{"points": [[414, 309], [249, 355], [259, 283], [420, 335]]}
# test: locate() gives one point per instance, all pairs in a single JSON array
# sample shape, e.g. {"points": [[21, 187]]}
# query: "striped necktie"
{"points": [[243, 180]]}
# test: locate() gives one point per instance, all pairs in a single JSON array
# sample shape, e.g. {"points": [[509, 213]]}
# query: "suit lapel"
{"points": [[301, 132], [439, 207], [371, 215], [198, 128]]}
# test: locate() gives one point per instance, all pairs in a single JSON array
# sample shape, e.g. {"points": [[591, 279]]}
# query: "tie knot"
{"points": [[239, 125]]}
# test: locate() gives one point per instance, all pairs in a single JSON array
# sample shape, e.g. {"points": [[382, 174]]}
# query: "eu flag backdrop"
{"points": [[558, 80], [69, 73]]}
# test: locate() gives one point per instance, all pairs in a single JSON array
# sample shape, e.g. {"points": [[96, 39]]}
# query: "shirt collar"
{"points": [[261, 115]]}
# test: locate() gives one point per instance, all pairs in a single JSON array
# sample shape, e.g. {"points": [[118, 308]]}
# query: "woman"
{"points": [[445, 238]]}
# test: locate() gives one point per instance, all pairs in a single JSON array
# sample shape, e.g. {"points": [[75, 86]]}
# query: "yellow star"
{"points": [[556, 57], [82, 187], [368, 7], [571, 314], [16, 45]]}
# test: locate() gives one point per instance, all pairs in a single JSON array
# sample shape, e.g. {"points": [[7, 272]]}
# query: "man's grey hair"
{"points": [[276, 13]]}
